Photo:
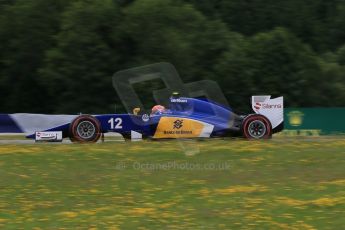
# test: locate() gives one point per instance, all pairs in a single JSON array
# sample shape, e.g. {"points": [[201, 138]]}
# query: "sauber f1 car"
{"points": [[182, 118]]}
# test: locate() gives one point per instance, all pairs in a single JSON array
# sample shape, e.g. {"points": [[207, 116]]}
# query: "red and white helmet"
{"points": [[157, 109]]}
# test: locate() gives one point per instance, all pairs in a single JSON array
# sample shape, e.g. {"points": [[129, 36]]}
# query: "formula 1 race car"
{"points": [[183, 118]]}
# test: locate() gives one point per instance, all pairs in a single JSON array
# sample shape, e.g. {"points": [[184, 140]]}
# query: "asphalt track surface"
{"points": [[30, 142], [118, 138], [8, 139]]}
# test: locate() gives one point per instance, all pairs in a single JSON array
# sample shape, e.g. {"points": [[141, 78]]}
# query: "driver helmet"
{"points": [[158, 109]]}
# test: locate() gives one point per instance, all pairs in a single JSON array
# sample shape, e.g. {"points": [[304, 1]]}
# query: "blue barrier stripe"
{"points": [[7, 125]]}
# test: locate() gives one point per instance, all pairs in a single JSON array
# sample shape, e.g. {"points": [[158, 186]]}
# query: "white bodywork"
{"points": [[273, 109], [30, 123], [136, 136]]}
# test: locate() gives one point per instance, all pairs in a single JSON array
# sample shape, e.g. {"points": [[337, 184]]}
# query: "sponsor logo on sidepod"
{"points": [[178, 124]]}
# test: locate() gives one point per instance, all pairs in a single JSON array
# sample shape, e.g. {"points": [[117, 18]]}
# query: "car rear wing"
{"points": [[272, 108]]}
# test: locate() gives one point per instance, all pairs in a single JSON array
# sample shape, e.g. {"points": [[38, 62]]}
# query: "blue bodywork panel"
{"points": [[193, 110]]}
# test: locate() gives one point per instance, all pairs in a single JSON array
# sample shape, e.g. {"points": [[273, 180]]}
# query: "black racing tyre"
{"points": [[85, 128], [256, 126], [126, 136]]}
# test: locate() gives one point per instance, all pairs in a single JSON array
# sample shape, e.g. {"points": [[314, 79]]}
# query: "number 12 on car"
{"points": [[115, 123]]}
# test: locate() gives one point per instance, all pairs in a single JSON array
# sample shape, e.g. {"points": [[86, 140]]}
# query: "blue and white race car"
{"points": [[182, 118]]}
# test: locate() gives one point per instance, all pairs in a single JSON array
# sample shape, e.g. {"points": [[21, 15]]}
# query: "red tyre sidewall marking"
{"points": [[251, 118], [94, 121]]}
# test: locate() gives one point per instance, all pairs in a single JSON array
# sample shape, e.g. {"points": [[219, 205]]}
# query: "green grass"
{"points": [[13, 137], [276, 184]]}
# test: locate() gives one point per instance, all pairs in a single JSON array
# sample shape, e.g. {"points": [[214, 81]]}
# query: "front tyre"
{"points": [[85, 128], [256, 126]]}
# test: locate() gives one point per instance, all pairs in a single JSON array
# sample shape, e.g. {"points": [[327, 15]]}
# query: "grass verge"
{"points": [[213, 184]]}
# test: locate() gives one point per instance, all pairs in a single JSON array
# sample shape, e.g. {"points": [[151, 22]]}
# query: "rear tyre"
{"points": [[85, 128], [256, 126]]}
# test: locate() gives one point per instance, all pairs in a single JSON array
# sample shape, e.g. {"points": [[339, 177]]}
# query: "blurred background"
{"points": [[58, 56]]}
